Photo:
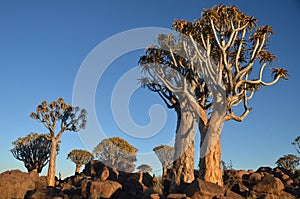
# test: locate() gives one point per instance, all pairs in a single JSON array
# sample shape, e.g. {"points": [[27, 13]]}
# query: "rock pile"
{"points": [[98, 181]]}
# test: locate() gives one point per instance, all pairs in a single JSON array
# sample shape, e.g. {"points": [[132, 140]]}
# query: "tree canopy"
{"points": [[113, 151], [144, 168], [165, 154], [288, 162], [33, 150], [80, 157]]}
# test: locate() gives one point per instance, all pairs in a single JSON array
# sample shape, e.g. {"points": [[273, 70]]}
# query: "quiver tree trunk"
{"points": [[210, 165], [183, 166], [77, 170], [210, 146], [52, 163], [164, 172]]}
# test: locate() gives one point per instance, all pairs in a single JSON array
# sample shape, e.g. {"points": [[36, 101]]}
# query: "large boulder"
{"points": [[48, 193], [207, 190], [235, 175], [240, 189], [15, 183], [147, 178], [134, 188], [98, 170], [270, 185], [103, 189], [255, 178]]}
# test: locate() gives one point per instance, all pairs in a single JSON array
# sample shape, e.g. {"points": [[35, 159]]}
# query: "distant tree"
{"points": [[125, 165], [80, 158], [296, 144], [212, 68], [33, 150], [115, 150], [226, 166], [62, 117], [165, 155], [144, 168], [288, 162]]}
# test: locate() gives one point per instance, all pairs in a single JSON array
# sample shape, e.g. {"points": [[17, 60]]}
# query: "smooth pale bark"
{"points": [[183, 167], [52, 163]]}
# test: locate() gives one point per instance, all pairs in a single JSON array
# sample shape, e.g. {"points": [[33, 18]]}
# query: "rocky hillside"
{"points": [[98, 181]]}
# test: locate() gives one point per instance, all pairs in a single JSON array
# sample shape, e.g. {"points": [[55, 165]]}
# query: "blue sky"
{"points": [[43, 45]]}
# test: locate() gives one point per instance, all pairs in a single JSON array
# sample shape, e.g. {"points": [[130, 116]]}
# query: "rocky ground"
{"points": [[98, 181]]}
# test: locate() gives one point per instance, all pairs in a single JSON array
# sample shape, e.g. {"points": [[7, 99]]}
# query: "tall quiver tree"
{"points": [[80, 158], [158, 67], [234, 57], [165, 155], [62, 117]]}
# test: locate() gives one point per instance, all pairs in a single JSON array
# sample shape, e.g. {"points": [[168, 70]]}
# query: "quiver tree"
{"points": [[220, 61], [33, 150], [296, 144], [80, 158], [62, 117], [288, 162], [165, 155], [117, 153], [143, 168]]}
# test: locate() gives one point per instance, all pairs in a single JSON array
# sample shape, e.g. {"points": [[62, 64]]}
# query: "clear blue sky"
{"points": [[43, 44]]}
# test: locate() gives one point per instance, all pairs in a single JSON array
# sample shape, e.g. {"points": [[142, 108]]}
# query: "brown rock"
{"points": [[84, 186], [240, 189], [200, 188], [96, 169], [104, 189], [269, 184], [15, 184], [235, 175], [177, 196], [232, 195], [104, 173], [134, 188], [48, 193], [154, 196], [265, 169], [283, 195], [255, 178]]}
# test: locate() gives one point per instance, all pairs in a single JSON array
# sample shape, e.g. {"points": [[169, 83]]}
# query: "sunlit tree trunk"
{"points": [[183, 167], [210, 165], [210, 147], [52, 163], [77, 170]]}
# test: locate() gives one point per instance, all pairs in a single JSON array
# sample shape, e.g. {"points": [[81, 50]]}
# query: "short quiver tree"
{"points": [[33, 150], [80, 158], [165, 155]]}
